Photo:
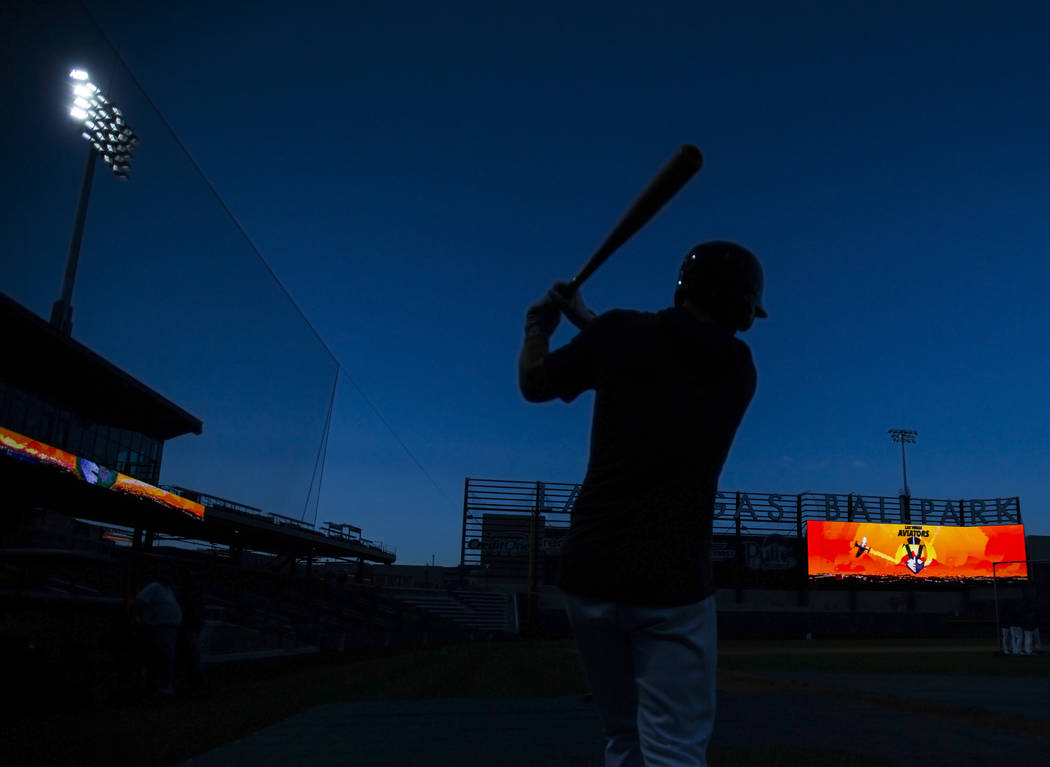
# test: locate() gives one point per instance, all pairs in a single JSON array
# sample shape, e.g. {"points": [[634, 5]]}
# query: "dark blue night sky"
{"points": [[417, 175]]}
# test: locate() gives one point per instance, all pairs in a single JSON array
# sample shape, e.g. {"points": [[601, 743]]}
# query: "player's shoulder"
{"points": [[619, 321], [741, 349], [624, 315], [739, 352], [713, 339]]}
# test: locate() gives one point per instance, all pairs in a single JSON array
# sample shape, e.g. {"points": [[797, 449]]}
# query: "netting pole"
{"points": [[739, 553], [533, 544], [463, 537], [803, 555], [995, 601]]}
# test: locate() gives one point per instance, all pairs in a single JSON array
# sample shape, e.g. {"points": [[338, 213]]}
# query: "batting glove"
{"points": [[573, 307], [542, 317]]}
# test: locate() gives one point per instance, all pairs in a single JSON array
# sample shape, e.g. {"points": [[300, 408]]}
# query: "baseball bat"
{"points": [[675, 174]]}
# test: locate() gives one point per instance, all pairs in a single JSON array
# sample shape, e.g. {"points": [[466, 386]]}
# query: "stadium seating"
{"points": [[486, 611]]}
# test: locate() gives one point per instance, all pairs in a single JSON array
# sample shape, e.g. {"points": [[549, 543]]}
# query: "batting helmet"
{"points": [[725, 279]]}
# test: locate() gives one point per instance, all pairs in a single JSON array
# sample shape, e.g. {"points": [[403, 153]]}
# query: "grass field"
{"points": [[246, 698]]}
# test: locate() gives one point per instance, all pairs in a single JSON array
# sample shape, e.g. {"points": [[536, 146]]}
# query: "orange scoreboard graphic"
{"points": [[93, 473], [914, 551]]}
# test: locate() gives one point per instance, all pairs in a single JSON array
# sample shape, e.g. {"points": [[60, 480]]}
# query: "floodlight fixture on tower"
{"points": [[103, 126], [904, 436]]}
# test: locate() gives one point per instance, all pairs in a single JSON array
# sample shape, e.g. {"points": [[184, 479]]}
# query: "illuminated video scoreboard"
{"points": [[914, 551], [23, 447]]}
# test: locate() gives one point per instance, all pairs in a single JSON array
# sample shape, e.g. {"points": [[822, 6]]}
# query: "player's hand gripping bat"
{"points": [[674, 175]]}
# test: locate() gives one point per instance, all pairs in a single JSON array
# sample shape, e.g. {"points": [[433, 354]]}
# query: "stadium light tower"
{"points": [[904, 436], [110, 137]]}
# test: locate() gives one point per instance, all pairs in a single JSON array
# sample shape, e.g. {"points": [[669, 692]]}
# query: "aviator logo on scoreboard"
{"points": [[920, 551]]}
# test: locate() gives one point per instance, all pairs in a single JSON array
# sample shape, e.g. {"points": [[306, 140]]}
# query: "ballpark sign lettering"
{"points": [[778, 507]]}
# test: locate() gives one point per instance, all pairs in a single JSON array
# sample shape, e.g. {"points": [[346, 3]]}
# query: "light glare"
{"points": [[103, 124]]}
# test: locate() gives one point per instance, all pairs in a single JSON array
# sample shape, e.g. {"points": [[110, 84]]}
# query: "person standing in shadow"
{"points": [[158, 608], [191, 600]]}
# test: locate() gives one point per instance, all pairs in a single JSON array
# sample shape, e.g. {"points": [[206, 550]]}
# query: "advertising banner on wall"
{"points": [[25, 448], [914, 551]]}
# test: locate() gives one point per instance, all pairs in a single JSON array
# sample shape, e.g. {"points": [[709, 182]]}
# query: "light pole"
{"points": [[110, 138], [904, 436]]}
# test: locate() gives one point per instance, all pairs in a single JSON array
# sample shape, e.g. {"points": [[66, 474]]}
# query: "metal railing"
{"points": [[330, 530]]}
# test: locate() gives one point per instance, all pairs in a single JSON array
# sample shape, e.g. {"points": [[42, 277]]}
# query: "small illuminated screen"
{"points": [[95, 474], [914, 551]]}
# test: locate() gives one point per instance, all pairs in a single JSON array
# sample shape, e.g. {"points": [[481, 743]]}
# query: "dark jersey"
{"points": [[670, 392]]}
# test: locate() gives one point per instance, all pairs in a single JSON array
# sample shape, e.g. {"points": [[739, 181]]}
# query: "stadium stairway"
{"points": [[481, 610]]}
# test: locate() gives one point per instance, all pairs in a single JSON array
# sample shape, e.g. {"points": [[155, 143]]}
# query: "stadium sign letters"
{"points": [[511, 544], [772, 553], [777, 507]]}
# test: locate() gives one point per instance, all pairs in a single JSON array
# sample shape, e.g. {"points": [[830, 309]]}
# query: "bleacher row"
{"points": [[486, 611]]}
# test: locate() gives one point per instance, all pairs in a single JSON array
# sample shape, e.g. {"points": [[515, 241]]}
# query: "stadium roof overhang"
{"points": [[29, 485], [40, 359]]}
